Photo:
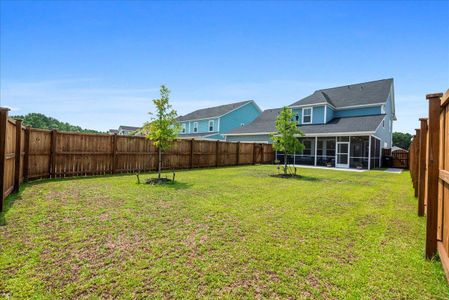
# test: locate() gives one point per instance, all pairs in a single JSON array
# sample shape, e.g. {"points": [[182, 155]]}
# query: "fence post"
{"points": [[114, 153], [51, 165], [433, 174], [263, 148], [17, 155], [26, 157], [3, 123], [254, 153], [217, 154], [238, 154], [416, 160], [191, 153], [422, 166]]}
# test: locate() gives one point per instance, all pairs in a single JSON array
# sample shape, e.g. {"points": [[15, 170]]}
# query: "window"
{"points": [[297, 118], [307, 115], [211, 125], [183, 130], [195, 127], [383, 123]]}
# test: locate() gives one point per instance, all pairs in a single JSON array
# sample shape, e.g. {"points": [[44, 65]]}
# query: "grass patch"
{"points": [[227, 233]]}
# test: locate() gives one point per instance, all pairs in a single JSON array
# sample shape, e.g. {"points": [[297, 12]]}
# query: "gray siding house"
{"points": [[344, 126]]}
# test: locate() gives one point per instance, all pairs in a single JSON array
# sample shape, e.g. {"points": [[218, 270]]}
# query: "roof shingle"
{"points": [[212, 112]]}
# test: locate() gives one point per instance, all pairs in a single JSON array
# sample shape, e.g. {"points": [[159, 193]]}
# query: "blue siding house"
{"points": [[212, 122], [344, 126]]}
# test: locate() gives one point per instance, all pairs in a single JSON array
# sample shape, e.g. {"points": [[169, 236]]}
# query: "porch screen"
{"points": [[359, 153], [307, 157], [375, 153], [325, 152]]}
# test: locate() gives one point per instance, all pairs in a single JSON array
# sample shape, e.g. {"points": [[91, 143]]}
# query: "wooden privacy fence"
{"points": [[429, 169], [28, 153], [400, 157]]}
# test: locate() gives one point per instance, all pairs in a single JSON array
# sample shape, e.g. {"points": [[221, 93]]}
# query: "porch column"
{"points": [[316, 144], [369, 152]]}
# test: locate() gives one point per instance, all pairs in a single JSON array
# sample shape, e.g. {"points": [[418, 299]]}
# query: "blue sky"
{"points": [[99, 64]]}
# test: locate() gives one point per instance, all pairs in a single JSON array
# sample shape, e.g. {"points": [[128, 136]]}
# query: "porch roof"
{"points": [[266, 124]]}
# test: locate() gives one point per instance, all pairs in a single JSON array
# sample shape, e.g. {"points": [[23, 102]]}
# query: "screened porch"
{"points": [[361, 152]]}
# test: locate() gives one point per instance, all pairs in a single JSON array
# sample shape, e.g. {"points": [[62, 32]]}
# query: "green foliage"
{"points": [[163, 127], [287, 132], [402, 140], [37, 120]]}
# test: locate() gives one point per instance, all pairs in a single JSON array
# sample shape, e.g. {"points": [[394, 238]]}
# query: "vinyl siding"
{"points": [[244, 114], [354, 112]]}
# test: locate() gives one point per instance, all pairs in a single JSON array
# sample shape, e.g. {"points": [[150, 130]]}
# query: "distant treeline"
{"points": [[37, 120]]}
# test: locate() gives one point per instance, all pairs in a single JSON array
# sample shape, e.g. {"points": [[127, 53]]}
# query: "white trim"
{"points": [[339, 108], [316, 146], [218, 124], [378, 126], [313, 104], [325, 114], [255, 133], [361, 105], [337, 165], [184, 128], [339, 134], [195, 127], [369, 153], [311, 116], [213, 126]]}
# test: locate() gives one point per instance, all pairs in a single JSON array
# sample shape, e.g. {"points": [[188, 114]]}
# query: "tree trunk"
{"points": [[159, 166]]}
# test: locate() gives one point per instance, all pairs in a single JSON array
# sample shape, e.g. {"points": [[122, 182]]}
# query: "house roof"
{"points": [[341, 125], [265, 123], [196, 135], [365, 93], [131, 128], [212, 112]]}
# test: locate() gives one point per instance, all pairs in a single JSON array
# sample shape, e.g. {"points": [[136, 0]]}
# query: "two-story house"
{"points": [[212, 122], [345, 126]]}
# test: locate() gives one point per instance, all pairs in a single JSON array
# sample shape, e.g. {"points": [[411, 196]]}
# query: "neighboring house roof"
{"points": [[215, 111], [265, 123], [365, 93], [128, 128], [113, 131]]}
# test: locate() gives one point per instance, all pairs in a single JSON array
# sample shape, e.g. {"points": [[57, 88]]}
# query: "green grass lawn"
{"points": [[229, 233]]}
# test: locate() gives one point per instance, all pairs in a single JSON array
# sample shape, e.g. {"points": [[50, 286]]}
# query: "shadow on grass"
{"points": [[8, 204], [298, 178]]}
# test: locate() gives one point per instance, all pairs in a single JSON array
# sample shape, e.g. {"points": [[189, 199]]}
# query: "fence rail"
{"points": [[31, 153], [429, 169]]}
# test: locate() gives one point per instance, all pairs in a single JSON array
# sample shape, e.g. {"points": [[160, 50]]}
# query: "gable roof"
{"points": [[365, 93], [215, 111], [266, 123], [129, 128]]}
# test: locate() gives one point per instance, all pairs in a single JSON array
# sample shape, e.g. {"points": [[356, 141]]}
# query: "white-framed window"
{"points": [[195, 126], [307, 113], [297, 118], [211, 125], [183, 128]]}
